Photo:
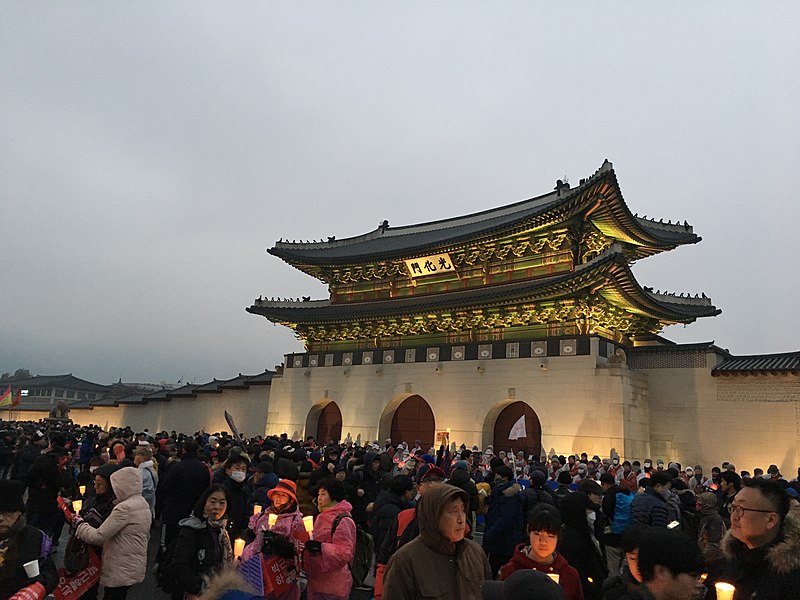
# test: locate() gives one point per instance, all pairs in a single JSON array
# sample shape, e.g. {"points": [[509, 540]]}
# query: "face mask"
{"points": [[581, 472], [647, 465], [238, 476], [615, 461]]}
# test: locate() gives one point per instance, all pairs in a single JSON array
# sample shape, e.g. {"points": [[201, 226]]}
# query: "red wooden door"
{"points": [[413, 420], [508, 417], [329, 424]]}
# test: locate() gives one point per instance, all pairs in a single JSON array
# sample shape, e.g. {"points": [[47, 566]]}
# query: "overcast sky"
{"points": [[151, 152]]}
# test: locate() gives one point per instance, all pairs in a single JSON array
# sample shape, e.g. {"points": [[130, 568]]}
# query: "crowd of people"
{"points": [[271, 517]]}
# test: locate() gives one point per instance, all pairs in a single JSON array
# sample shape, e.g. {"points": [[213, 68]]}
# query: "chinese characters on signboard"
{"points": [[429, 265]]}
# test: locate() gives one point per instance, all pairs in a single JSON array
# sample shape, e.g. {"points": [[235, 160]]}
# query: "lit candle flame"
{"points": [[256, 509], [82, 489], [77, 505], [272, 519], [238, 547], [725, 591], [308, 523]]}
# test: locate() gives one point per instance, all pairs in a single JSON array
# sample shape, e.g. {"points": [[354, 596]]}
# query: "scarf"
{"points": [[224, 540]]}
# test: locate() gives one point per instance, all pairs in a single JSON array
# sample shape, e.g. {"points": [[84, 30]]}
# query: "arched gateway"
{"points": [[413, 420], [510, 416], [329, 425]]}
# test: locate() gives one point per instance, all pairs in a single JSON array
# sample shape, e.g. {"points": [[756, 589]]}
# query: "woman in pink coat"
{"points": [[329, 553], [286, 536]]}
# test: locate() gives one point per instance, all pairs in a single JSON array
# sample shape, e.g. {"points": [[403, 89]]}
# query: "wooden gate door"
{"points": [[413, 420], [510, 415], [329, 425]]}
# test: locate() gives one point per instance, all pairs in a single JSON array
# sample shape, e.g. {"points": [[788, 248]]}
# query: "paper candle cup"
{"points": [[554, 576], [724, 591], [238, 547], [77, 505], [272, 519], [32, 568], [256, 509], [308, 523], [82, 489]]}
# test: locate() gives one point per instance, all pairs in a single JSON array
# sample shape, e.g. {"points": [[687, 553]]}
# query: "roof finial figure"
{"points": [[384, 226]]}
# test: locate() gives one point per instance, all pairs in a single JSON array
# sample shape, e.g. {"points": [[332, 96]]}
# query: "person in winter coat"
{"points": [[710, 530], [329, 553], [21, 543], [203, 546], [25, 454], [388, 505], [650, 508], [46, 478], [440, 563], [544, 527], [143, 459], [238, 493], [627, 584], [124, 535], [180, 488], [505, 525], [283, 538], [762, 547], [580, 545]]}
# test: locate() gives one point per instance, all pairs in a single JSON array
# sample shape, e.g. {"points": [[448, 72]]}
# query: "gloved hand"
{"points": [[274, 543], [314, 547], [34, 591], [76, 520], [65, 508]]}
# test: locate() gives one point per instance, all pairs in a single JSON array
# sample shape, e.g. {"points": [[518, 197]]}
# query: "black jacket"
{"points": [[181, 487], [384, 514], [45, 479], [576, 545], [196, 553], [26, 545]]}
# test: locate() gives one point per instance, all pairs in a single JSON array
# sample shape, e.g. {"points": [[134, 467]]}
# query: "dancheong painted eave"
{"points": [[608, 276], [597, 198]]}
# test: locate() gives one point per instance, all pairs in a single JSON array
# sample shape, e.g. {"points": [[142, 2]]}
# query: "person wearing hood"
{"points": [[46, 478], [440, 563], [505, 524], [709, 531], [21, 543], [124, 535], [579, 543], [333, 545], [284, 537], [544, 527], [143, 459], [203, 546], [97, 507], [460, 478], [762, 547]]}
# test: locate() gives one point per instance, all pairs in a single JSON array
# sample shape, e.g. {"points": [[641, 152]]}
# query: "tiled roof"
{"points": [[263, 379], [68, 382], [238, 382], [388, 242], [787, 362], [611, 265], [185, 391], [210, 387]]}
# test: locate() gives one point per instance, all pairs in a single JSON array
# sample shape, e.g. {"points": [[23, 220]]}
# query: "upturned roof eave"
{"points": [[544, 210], [609, 267]]}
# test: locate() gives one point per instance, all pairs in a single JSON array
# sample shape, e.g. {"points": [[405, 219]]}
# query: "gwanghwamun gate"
{"points": [[469, 324]]}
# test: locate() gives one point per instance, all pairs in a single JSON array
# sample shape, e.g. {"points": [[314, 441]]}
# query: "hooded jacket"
{"points": [[124, 534], [384, 514], [431, 566], [569, 579], [769, 572], [329, 572], [505, 524], [578, 547]]}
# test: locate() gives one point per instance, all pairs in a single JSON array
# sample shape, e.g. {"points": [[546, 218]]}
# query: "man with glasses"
{"points": [[762, 547]]}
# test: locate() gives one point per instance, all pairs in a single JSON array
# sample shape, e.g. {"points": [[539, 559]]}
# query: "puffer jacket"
{"points": [[124, 534], [329, 572], [769, 572], [569, 580], [431, 566], [649, 508], [505, 525], [384, 515]]}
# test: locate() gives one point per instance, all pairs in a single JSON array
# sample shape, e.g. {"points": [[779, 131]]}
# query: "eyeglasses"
{"points": [[740, 510]]}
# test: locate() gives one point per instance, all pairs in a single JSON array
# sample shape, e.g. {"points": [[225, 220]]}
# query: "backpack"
{"points": [[364, 553], [622, 512]]}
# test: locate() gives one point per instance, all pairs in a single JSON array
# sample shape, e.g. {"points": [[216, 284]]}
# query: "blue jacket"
{"points": [[505, 525]]}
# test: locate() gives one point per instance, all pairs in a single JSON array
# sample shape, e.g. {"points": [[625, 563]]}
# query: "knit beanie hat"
{"points": [[11, 492]]}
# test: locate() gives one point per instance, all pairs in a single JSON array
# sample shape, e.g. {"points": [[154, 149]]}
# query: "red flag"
{"points": [[17, 399], [5, 397]]}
